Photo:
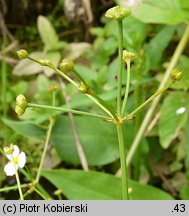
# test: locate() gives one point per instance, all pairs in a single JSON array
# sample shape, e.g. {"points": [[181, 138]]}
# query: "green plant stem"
{"points": [[19, 185], [119, 125], [44, 150], [127, 88], [124, 176], [66, 110], [120, 66], [13, 187], [160, 91], [51, 122]]}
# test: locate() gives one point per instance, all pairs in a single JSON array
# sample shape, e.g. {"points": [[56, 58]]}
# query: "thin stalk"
{"points": [[122, 152], [44, 150], [120, 66], [13, 187], [66, 110], [19, 185], [127, 88], [95, 100], [46, 141], [160, 91], [124, 176]]}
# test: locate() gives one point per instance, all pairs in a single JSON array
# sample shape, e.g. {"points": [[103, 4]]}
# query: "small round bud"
{"points": [[53, 88], [83, 88], [9, 150], [19, 110], [21, 101], [66, 65], [118, 12], [22, 54], [127, 56], [176, 75], [46, 62]]}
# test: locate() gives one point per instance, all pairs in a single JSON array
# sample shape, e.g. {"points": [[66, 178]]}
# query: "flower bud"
{"points": [[53, 88], [22, 54], [66, 65], [118, 12], [46, 62], [21, 101], [19, 110], [83, 88], [127, 56], [9, 150], [176, 75]]}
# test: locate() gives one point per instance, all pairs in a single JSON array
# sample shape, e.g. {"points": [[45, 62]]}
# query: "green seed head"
{"points": [[66, 65], [21, 101], [176, 75], [127, 56], [19, 110], [22, 54], [83, 88], [118, 12]]}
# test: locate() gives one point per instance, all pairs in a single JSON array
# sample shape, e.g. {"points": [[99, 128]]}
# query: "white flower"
{"points": [[16, 159], [181, 110]]}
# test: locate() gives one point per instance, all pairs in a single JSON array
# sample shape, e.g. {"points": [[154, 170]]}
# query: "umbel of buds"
{"points": [[118, 12], [176, 75], [22, 54], [127, 56], [66, 65], [21, 104]]}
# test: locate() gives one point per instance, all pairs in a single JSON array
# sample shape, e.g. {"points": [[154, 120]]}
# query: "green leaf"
{"points": [[183, 4], [47, 33], [98, 138], [25, 128], [164, 11], [157, 46], [170, 121], [81, 185]]}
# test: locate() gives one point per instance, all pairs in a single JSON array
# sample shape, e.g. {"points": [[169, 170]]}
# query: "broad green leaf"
{"points": [[164, 11], [98, 138], [47, 33], [171, 120], [77, 49], [157, 46], [25, 128], [183, 4], [26, 67], [86, 72], [81, 185]]}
